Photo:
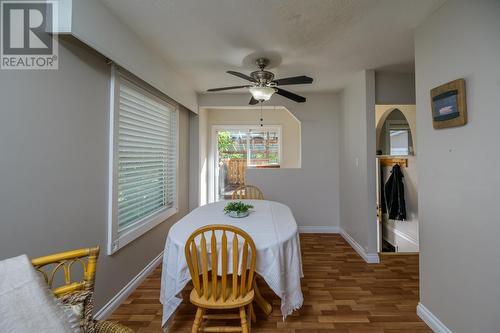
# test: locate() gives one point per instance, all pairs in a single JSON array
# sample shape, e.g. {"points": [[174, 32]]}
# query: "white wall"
{"points": [[203, 138], [394, 88], [311, 191], [458, 171], [95, 25], [290, 128], [54, 166], [194, 158], [357, 161]]}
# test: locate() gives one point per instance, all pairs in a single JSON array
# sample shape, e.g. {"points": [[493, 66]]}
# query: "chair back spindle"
{"points": [[247, 192], [204, 267], [50, 265]]}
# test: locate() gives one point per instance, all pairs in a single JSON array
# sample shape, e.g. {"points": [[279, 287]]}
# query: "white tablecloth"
{"points": [[274, 231]]}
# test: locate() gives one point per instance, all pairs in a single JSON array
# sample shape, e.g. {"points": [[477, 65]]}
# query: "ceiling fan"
{"points": [[263, 85]]}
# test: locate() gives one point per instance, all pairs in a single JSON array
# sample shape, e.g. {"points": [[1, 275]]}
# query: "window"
{"points": [[399, 142], [239, 147], [263, 147], [259, 146], [143, 167]]}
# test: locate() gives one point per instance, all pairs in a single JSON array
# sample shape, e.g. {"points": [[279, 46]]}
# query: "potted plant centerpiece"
{"points": [[237, 209]]}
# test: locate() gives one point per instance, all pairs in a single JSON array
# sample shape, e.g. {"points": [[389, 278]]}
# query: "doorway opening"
{"points": [[397, 184]]}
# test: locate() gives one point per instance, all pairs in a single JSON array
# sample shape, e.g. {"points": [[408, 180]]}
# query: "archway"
{"points": [[383, 111]]}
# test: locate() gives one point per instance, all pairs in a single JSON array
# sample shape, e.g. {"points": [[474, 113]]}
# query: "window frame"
{"points": [[277, 128], [398, 125], [118, 239], [391, 148], [212, 159]]}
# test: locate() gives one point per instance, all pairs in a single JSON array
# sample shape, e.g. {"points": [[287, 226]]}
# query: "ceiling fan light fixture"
{"points": [[262, 93], [263, 85]]}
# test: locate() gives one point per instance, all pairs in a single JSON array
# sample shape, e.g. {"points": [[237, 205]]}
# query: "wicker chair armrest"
{"points": [[105, 326]]}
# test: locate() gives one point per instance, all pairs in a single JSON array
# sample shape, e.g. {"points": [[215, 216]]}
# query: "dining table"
{"points": [[275, 233]]}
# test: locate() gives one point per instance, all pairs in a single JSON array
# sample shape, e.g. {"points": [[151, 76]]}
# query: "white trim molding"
{"points": [[370, 258], [321, 229], [431, 320], [122, 295], [400, 237], [405, 236]]}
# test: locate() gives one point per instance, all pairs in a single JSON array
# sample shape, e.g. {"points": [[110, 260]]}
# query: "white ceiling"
{"points": [[325, 39]]}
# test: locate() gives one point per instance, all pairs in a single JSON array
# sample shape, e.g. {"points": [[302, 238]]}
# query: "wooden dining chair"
{"points": [[213, 291], [247, 192]]}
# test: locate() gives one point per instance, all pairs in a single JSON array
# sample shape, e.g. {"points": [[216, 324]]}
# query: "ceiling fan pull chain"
{"points": [[261, 118]]}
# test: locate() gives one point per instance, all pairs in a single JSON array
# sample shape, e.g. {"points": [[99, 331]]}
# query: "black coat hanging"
{"points": [[394, 191]]}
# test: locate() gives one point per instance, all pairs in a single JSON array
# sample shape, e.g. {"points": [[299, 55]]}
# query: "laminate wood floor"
{"points": [[342, 294]]}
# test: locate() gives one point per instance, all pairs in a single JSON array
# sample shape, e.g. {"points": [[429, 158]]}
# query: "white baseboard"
{"points": [[370, 258], [407, 237], [122, 295], [400, 237], [431, 320], [305, 229]]}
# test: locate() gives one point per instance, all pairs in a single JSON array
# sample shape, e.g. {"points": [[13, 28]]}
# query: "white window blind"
{"points": [[144, 162]]}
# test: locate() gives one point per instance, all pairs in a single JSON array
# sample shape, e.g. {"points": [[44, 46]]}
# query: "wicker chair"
{"points": [[247, 192], [80, 292]]}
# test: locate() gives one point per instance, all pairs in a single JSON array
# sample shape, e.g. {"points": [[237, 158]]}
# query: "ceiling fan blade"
{"points": [[253, 101], [241, 75], [228, 88], [294, 80], [290, 95]]}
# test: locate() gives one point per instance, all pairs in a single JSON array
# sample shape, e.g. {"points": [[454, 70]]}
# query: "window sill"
{"points": [[139, 228], [264, 167]]}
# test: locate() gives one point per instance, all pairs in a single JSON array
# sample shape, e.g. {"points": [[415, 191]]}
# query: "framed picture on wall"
{"points": [[449, 107]]}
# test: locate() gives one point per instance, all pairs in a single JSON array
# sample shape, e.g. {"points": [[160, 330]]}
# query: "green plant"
{"points": [[224, 141], [238, 207]]}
